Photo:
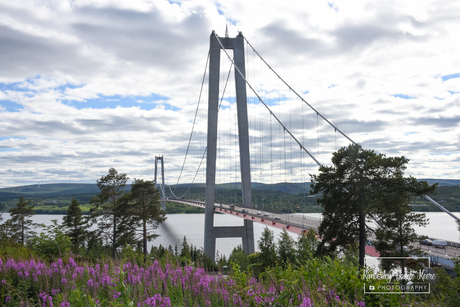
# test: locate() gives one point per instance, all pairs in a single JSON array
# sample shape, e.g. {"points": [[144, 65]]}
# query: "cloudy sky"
{"points": [[86, 85]]}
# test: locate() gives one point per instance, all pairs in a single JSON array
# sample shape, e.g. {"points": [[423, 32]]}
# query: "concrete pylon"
{"points": [[162, 187], [211, 232]]}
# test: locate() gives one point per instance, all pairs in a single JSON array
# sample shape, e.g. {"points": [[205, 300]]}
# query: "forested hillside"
{"points": [[281, 197]]}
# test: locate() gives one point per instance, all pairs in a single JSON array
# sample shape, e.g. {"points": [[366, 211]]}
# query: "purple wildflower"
{"points": [[306, 302]]}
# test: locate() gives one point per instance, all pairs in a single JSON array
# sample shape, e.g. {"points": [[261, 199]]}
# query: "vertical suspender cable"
{"points": [[317, 133]]}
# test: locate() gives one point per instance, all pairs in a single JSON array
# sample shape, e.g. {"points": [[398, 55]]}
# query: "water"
{"points": [[176, 226]]}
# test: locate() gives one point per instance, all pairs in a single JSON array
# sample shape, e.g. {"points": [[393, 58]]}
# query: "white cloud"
{"points": [[87, 85]]}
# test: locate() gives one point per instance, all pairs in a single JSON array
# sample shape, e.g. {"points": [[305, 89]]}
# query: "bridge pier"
{"points": [[211, 232]]}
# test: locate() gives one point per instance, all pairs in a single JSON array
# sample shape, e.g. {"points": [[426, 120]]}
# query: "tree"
{"points": [[306, 245], [239, 257], [21, 225], [76, 224], [185, 251], [105, 204], [142, 205], [359, 185], [52, 242], [286, 248], [396, 237], [267, 248], [458, 223]]}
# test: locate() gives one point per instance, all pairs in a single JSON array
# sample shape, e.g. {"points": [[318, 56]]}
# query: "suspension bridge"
{"points": [[260, 132]]}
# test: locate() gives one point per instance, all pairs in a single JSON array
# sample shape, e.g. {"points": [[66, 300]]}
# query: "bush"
{"points": [[51, 243]]}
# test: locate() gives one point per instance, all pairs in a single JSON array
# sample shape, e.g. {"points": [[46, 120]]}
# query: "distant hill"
{"points": [[91, 188], [287, 187], [442, 182], [56, 197]]}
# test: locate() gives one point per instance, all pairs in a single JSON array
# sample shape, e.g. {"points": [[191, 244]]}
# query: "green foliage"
{"points": [[141, 208], [286, 249], [239, 257], [128, 254], [447, 287], [267, 248], [360, 183], [20, 227], [185, 251], [306, 245], [105, 205], [397, 238], [15, 250], [240, 276], [76, 225], [52, 242]]}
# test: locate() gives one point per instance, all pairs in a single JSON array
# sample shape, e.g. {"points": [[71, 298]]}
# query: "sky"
{"points": [[89, 85]]}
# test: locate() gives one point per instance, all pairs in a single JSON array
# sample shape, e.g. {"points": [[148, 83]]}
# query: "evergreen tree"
{"points": [[185, 251], [267, 248], [306, 245], [397, 236], [104, 207], [142, 206], [21, 225], [286, 248], [76, 224], [170, 250], [359, 185]]}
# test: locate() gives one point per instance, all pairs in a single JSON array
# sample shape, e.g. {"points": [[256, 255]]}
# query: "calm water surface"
{"points": [[176, 226]]}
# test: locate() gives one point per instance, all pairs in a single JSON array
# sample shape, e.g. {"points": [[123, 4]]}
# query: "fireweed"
{"points": [[68, 283]]}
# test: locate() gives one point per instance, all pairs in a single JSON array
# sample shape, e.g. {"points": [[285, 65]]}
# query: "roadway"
{"points": [[290, 222]]}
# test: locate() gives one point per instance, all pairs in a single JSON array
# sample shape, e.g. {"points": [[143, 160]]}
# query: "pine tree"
{"points": [[359, 185], [76, 224], [21, 224], [397, 236], [141, 205], [104, 207]]}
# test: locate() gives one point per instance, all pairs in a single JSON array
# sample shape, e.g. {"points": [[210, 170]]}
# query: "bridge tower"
{"points": [[211, 232], [162, 186]]}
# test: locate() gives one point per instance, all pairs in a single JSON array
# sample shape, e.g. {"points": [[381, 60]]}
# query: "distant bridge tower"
{"points": [[162, 186], [246, 232]]}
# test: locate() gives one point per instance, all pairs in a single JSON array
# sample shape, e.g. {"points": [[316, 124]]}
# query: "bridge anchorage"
{"points": [[211, 232]]}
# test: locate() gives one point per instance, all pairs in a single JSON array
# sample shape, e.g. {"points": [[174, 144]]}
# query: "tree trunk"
{"points": [[144, 225], [114, 236], [22, 231], [114, 249], [362, 239], [145, 239], [403, 271]]}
